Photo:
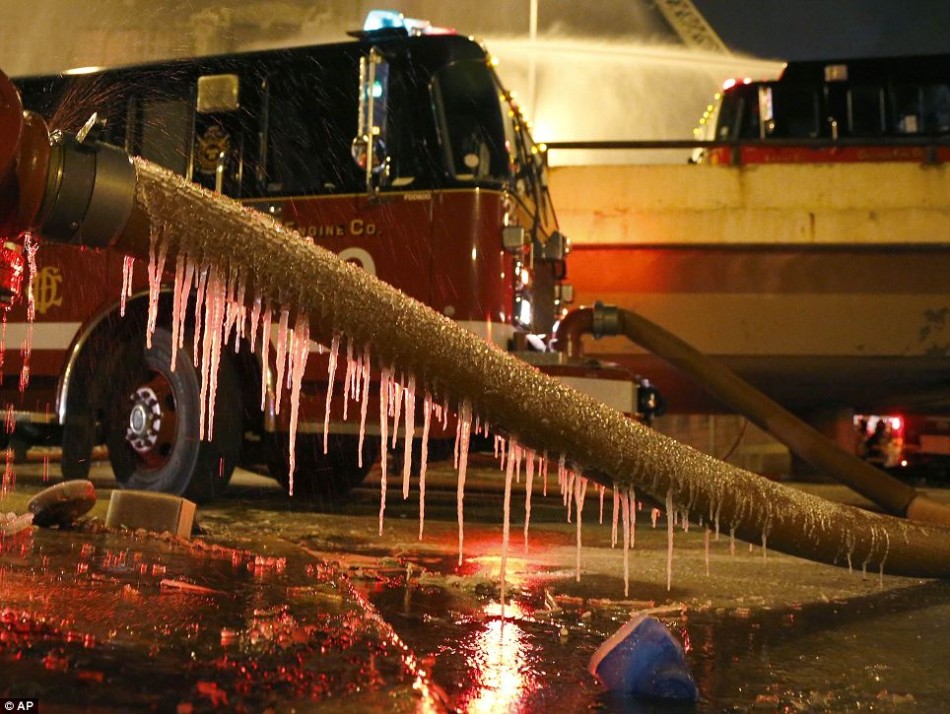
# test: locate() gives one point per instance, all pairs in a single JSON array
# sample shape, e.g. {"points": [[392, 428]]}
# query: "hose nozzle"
{"points": [[68, 189]]}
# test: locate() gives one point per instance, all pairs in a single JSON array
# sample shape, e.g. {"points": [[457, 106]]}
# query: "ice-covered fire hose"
{"points": [[112, 202]]}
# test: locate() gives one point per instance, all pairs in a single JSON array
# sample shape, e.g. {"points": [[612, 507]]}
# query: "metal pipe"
{"points": [[539, 411], [892, 495]]}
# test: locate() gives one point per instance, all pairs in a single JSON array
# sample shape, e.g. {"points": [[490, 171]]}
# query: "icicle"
{"points": [[410, 428], [580, 490], [624, 511], [331, 378], [204, 358], [528, 484], [3, 337], [519, 452], [30, 247], [364, 406], [26, 349], [509, 472], [602, 490], [265, 353], [176, 302], [185, 287], [458, 439], [357, 373], [240, 312], [128, 265], [255, 318], [301, 352], [211, 349], [348, 377], [281, 355], [199, 302], [156, 267], [384, 379], [426, 419], [631, 506], [616, 515], [669, 539], [395, 407], [9, 476], [465, 427], [568, 491], [230, 310]]}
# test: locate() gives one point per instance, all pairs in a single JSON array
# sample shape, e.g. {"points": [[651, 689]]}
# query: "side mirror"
{"points": [[368, 147], [555, 248]]}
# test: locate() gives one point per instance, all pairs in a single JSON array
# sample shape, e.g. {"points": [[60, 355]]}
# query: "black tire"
{"points": [[320, 476], [151, 422]]}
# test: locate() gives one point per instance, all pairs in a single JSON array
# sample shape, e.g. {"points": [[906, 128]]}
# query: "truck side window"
{"points": [[162, 131], [795, 114], [866, 110], [470, 123], [936, 101], [907, 109]]}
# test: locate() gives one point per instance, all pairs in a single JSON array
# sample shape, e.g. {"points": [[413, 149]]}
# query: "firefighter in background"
{"points": [[877, 446], [861, 438], [650, 403]]}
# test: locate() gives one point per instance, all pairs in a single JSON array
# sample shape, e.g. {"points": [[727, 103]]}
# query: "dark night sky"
{"points": [[818, 29]]}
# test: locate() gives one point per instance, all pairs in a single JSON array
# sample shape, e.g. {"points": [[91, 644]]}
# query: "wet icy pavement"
{"points": [[286, 605]]}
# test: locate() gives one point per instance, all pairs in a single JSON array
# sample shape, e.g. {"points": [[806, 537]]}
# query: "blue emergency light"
{"points": [[387, 21]]}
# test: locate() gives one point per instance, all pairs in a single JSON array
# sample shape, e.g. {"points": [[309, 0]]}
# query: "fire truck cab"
{"points": [[399, 150]]}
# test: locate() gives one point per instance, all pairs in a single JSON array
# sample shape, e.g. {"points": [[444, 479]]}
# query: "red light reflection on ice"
{"points": [[516, 570], [499, 658]]}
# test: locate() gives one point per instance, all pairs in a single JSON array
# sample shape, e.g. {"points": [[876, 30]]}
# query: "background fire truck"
{"points": [[870, 109], [401, 151]]}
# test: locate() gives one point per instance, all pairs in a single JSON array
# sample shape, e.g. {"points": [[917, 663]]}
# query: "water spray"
{"points": [[142, 209]]}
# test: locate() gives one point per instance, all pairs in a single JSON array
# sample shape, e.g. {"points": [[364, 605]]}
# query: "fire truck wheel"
{"points": [[320, 476], [152, 422]]}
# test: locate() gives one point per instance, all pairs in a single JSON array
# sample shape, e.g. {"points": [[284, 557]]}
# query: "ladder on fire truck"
{"points": [[691, 26]]}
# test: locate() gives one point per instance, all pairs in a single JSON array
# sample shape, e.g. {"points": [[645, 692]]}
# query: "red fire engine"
{"points": [[401, 151], [884, 109]]}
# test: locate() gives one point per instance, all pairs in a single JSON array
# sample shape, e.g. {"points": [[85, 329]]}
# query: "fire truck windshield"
{"points": [[470, 122]]}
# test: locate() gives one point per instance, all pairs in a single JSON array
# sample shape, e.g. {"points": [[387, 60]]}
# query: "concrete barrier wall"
{"points": [[861, 203]]}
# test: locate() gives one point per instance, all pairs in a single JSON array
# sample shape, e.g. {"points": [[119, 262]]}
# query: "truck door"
{"points": [[314, 176], [225, 129]]}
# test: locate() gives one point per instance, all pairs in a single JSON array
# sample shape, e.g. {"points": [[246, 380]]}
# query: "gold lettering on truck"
{"points": [[46, 289], [356, 227]]}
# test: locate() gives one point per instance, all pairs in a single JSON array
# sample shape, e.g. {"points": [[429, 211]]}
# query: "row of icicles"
{"points": [[221, 314]]}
